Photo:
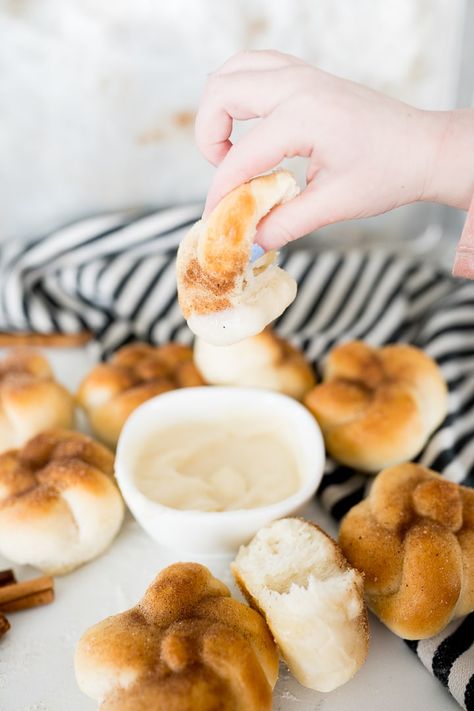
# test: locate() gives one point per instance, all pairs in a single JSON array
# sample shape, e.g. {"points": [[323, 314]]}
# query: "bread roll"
{"points": [[111, 391], [223, 297], [378, 406], [312, 599], [30, 399], [186, 646], [262, 361], [59, 506], [413, 538]]}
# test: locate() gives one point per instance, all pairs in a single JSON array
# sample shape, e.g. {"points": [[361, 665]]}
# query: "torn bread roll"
{"points": [[262, 361], [312, 599], [223, 297]]}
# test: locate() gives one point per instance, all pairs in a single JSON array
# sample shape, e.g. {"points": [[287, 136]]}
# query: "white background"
{"points": [[98, 98]]}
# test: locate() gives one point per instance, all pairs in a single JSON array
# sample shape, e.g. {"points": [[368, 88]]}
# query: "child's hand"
{"points": [[367, 153]]}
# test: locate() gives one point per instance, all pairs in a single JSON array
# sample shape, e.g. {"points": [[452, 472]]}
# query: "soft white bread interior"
{"points": [[312, 599], [224, 297]]}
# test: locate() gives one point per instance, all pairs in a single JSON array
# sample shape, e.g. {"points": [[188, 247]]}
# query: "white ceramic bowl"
{"points": [[215, 532]]}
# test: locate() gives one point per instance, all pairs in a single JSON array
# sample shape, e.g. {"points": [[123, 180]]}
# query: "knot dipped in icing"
{"points": [[224, 297], [30, 398], [186, 645], [413, 538], [378, 406], [111, 391], [59, 506]]}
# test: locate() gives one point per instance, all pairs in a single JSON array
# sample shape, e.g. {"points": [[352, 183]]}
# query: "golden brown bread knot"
{"points": [[58, 504], [111, 391], [377, 407], [413, 538], [263, 361], [30, 399], [186, 646]]}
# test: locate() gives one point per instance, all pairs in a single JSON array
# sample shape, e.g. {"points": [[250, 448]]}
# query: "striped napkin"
{"points": [[115, 275]]}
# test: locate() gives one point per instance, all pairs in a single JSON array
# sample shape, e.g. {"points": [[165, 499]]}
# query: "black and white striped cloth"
{"points": [[115, 275]]}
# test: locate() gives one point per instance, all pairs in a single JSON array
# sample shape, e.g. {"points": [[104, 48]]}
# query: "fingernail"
{"points": [[257, 252]]}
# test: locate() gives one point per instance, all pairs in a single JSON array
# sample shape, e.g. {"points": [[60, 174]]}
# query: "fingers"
{"points": [[238, 95], [259, 150], [244, 87]]}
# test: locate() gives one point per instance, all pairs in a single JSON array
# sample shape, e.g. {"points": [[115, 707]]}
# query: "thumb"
{"points": [[292, 220]]}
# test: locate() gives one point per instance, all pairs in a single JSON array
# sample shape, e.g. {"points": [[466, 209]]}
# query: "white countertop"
{"points": [[36, 656]]}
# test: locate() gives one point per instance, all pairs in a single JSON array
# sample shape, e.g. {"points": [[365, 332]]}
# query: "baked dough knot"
{"points": [[58, 504], [413, 538], [30, 398], [377, 407], [262, 361], [186, 646], [136, 373]]}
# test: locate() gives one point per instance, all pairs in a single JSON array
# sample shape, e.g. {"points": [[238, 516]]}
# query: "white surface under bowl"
{"points": [[215, 532]]}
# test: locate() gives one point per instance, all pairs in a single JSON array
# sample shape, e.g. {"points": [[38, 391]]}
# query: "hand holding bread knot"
{"points": [[223, 296], [413, 538], [366, 153]]}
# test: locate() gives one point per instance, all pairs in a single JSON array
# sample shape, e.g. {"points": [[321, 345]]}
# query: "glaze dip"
{"points": [[218, 465]]}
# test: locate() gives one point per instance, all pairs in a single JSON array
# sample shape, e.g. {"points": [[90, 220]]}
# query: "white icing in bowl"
{"points": [[215, 532]]}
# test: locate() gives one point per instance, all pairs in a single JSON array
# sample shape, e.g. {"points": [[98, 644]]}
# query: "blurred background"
{"points": [[98, 97]]}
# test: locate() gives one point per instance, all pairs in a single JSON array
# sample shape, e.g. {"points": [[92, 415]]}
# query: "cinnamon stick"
{"points": [[7, 577], [30, 593], [4, 625], [52, 340]]}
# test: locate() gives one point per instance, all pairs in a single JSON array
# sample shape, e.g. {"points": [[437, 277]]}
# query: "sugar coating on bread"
{"points": [[186, 646], [413, 538], [223, 297], [378, 406], [134, 374], [30, 398], [58, 504], [312, 599], [264, 361]]}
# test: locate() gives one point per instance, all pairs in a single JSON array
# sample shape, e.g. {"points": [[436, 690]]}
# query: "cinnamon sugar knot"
{"points": [[378, 406], [30, 398], [59, 506], [186, 645], [263, 361], [413, 538], [111, 391], [439, 501]]}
